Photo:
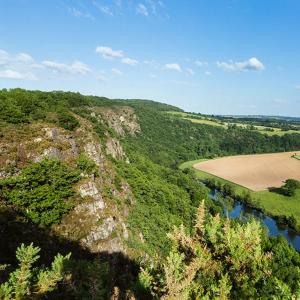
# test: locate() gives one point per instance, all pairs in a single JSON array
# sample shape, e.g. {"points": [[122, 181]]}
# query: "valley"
{"points": [[105, 180]]}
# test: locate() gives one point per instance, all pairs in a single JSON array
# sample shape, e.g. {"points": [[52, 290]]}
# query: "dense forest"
{"points": [[179, 246]]}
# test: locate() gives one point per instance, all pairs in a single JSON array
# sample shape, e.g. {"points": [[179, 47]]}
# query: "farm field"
{"points": [[272, 203], [215, 122], [256, 172]]}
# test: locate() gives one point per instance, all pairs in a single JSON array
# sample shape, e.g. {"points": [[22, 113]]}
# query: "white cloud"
{"points": [[297, 87], [4, 57], [142, 9], [200, 63], [207, 73], [173, 66], [252, 64], [129, 61], [76, 68], [190, 71], [12, 74], [108, 52], [79, 14], [24, 58], [116, 72], [152, 63]]}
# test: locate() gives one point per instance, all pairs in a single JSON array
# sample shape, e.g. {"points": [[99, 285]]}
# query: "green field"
{"points": [[297, 157], [214, 122], [272, 203]]}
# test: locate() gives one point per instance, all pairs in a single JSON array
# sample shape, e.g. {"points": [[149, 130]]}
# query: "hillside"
{"points": [[99, 178]]}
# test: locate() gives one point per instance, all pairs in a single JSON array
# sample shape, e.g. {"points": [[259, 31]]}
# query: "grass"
{"points": [[272, 203], [297, 157], [198, 119]]}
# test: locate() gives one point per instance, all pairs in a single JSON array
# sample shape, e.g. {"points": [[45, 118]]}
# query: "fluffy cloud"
{"points": [[116, 72], [16, 66], [108, 52], [142, 9], [76, 68], [4, 57], [129, 61], [24, 58], [190, 71], [12, 74], [173, 66], [252, 64]]}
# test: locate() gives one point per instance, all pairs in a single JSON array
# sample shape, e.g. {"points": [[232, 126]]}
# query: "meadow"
{"points": [[202, 119]]}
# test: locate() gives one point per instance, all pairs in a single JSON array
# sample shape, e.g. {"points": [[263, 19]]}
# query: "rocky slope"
{"points": [[98, 220]]}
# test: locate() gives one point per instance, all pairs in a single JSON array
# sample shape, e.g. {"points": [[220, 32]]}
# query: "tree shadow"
{"points": [[120, 278], [277, 190]]}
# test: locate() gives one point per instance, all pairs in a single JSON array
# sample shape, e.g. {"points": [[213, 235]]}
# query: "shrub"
{"points": [[42, 189], [27, 282], [290, 187], [85, 164]]}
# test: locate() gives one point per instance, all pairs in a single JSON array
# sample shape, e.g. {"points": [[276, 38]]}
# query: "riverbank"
{"points": [[284, 209]]}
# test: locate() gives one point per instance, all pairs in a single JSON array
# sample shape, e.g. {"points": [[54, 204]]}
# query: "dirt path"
{"points": [[256, 172]]}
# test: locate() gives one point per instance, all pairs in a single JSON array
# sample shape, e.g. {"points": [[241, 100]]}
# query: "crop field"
{"points": [[215, 122], [256, 172]]}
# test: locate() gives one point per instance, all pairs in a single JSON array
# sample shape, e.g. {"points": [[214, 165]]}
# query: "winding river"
{"points": [[240, 210]]}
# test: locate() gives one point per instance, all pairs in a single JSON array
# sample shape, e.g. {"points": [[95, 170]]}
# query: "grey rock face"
{"points": [[94, 152], [101, 232], [88, 189], [114, 148]]}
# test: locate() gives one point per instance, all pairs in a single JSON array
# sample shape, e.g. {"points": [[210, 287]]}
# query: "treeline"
{"points": [[169, 140]]}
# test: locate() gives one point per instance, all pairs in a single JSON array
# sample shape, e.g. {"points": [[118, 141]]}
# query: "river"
{"points": [[240, 210]]}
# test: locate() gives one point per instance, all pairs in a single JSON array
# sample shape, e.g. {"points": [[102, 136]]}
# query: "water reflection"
{"points": [[236, 209]]}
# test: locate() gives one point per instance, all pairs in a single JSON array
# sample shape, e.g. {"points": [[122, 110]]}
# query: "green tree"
{"points": [[290, 187], [27, 282]]}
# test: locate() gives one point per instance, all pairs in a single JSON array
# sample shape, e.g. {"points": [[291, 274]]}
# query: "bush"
{"points": [[290, 187], [42, 189], [66, 120], [27, 282], [85, 164]]}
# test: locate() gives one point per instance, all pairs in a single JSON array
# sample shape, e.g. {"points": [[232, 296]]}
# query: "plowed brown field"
{"points": [[256, 172]]}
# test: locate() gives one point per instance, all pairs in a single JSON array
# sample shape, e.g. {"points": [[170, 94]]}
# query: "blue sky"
{"points": [[209, 56]]}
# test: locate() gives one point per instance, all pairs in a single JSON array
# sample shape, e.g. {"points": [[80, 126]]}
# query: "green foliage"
{"points": [[290, 187], [28, 282], [219, 260], [42, 189], [90, 279], [285, 262], [168, 140], [164, 197], [67, 120], [86, 165]]}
